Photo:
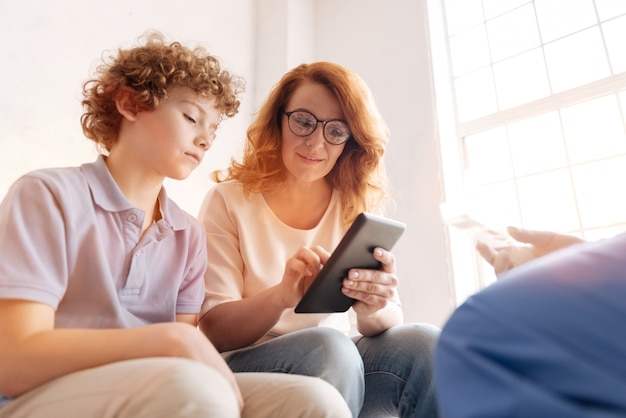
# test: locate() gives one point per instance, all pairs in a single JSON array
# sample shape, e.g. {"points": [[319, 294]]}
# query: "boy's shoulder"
{"points": [[64, 188], [73, 181], [55, 177]]}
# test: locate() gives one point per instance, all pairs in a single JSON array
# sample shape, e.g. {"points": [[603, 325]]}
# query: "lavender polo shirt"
{"points": [[70, 239]]}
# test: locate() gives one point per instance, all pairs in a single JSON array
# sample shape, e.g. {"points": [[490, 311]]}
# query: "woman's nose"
{"points": [[316, 137]]}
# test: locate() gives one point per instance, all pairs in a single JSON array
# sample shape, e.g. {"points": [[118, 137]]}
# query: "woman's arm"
{"points": [[191, 319], [236, 324]]}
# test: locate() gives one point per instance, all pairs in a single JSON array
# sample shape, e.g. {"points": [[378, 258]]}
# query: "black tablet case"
{"points": [[367, 232]]}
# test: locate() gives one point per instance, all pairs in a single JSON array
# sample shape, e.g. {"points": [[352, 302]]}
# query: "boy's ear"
{"points": [[125, 105]]}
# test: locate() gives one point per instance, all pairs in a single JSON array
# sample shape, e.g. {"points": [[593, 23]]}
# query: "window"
{"points": [[531, 101]]}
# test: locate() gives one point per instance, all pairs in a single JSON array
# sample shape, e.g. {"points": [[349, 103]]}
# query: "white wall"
{"points": [[50, 47]]}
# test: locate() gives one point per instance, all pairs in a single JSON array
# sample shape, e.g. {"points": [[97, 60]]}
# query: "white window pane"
{"points": [[593, 129], [547, 201], [610, 8], [537, 144], [463, 14], [576, 60], [469, 50], [615, 36], [559, 18], [499, 206], [463, 250], [599, 233], [601, 202], [495, 8], [488, 155], [513, 33], [475, 94], [521, 79]]}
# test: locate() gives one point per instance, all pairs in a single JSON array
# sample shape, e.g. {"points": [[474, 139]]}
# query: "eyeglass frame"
{"points": [[323, 122]]}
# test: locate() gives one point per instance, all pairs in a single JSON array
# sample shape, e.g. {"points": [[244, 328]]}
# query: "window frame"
{"points": [[470, 272]]}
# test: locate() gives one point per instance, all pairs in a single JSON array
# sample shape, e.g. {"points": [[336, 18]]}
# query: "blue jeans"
{"points": [[386, 375]]}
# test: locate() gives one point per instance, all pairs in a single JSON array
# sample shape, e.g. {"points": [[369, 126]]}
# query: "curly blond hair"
{"points": [[359, 173], [149, 70]]}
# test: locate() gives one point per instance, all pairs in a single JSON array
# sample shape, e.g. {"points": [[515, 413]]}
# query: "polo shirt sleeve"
{"points": [[191, 292], [33, 242]]}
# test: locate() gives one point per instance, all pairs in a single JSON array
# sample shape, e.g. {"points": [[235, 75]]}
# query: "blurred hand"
{"points": [[530, 245]]}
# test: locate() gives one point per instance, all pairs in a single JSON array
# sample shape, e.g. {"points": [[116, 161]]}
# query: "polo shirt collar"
{"points": [[106, 193]]}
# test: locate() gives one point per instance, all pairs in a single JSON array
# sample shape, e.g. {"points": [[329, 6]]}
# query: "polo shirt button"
{"points": [[138, 253], [132, 218]]}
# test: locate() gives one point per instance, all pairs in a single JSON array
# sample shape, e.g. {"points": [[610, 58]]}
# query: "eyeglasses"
{"points": [[303, 123]]}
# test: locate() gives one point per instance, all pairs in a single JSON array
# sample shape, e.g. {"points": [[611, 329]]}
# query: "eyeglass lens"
{"points": [[303, 123]]}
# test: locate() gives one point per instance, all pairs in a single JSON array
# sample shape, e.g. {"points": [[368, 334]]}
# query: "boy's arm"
{"points": [[33, 352]]}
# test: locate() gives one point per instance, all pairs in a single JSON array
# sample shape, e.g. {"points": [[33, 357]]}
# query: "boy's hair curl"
{"points": [[148, 71]]}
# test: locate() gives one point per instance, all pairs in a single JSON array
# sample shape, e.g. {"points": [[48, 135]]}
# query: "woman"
{"points": [[312, 163]]}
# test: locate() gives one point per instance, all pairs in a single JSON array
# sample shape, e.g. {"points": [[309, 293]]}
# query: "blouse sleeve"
{"points": [[191, 291], [223, 278]]}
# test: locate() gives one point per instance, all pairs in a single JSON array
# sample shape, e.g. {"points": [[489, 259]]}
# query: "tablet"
{"points": [[354, 251]]}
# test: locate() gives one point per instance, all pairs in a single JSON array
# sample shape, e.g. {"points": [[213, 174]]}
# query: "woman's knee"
{"points": [[417, 339], [329, 350], [422, 337], [333, 357]]}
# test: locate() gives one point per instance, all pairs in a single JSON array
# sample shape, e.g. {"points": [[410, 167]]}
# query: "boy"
{"points": [[101, 277]]}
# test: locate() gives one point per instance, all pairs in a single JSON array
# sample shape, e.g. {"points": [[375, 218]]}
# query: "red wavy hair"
{"points": [[359, 174]]}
